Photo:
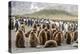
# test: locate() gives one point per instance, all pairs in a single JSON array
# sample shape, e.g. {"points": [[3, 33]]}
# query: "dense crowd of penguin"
{"points": [[44, 32], [44, 35]]}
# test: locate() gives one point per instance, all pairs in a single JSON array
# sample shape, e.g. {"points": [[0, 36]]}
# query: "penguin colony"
{"points": [[44, 35]]}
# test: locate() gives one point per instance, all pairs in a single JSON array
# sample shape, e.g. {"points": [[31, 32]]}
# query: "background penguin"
{"points": [[27, 34], [54, 34], [23, 28], [33, 29]]}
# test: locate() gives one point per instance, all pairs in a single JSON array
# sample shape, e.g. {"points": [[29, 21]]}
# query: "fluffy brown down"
{"points": [[19, 39], [23, 28], [75, 35], [68, 38], [50, 43], [58, 38], [42, 37], [33, 40]]}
